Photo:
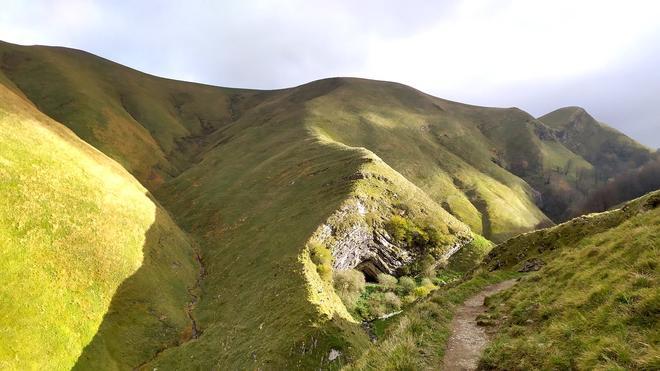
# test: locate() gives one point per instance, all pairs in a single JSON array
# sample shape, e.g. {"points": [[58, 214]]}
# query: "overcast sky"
{"points": [[536, 55]]}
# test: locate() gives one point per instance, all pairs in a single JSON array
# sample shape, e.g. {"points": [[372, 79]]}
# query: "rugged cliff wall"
{"points": [[359, 235]]}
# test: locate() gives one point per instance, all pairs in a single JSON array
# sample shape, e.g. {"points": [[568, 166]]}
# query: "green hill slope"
{"points": [[255, 224], [80, 241], [151, 126], [157, 128], [255, 178], [252, 192], [432, 142], [586, 298], [607, 149], [604, 154], [479, 163], [594, 302]]}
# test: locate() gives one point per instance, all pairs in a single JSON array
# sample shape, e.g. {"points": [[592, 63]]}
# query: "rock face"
{"points": [[531, 265], [355, 244], [369, 251]]}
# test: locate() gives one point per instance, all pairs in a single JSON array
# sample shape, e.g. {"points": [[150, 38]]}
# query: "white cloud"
{"points": [[48, 21], [486, 44], [477, 51]]}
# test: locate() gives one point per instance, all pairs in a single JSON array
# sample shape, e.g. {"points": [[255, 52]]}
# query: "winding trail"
{"points": [[467, 339]]}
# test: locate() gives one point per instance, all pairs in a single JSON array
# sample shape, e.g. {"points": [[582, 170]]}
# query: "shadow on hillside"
{"points": [[147, 312], [147, 315]]}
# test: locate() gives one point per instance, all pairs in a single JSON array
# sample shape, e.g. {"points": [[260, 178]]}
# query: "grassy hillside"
{"points": [[255, 225], [253, 212], [489, 157], [80, 239], [609, 150], [251, 177], [594, 304], [629, 184], [604, 154], [432, 142], [157, 128], [152, 126], [416, 339]]}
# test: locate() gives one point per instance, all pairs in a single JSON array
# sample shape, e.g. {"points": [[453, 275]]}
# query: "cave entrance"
{"points": [[370, 271]]}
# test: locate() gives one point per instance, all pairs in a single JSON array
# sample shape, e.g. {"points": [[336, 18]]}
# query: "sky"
{"points": [[536, 55]]}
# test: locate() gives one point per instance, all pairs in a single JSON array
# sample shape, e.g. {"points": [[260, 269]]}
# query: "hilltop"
{"points": [[247, 184], [610, 154]]}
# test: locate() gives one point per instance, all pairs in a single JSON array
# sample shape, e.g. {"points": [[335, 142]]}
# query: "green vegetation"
{"points": [[593, 305], [595, 302], [322, 257], [392, 300], [349, 285], [593, 154], [390, 293], [98, 274], [387, 281], [422, 291], [379, 304], [250, 213], [416, 339], [407, 284], [470, 255], [371, 301], [386, 118], [425, 240], [80, 239], [151, 126]]}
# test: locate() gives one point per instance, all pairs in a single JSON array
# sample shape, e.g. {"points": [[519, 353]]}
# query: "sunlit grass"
{"points": [[416, 339], [72, 228], [594, 305], [251, 175]]}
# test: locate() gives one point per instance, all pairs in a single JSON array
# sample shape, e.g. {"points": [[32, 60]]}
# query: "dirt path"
{"points": [[468, 340]]}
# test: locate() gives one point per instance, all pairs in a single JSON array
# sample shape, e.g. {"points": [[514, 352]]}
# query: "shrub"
{"points": [[422, 291], [427, 265], [399, 228], [376, 306], [320, 254], [408, 299], [426, 282], [433, 237], [441, 263], [423, 240], [349, 285], [324, 271], [387, 281], [322, 258], [392, 301], [407, 284], [379, 304]]}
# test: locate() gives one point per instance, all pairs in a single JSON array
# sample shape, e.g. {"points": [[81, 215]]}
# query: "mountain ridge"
{"points": [[250, 176]]}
